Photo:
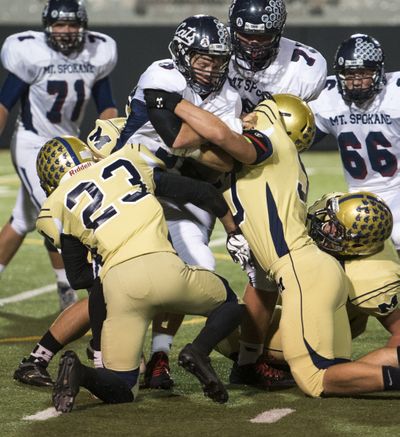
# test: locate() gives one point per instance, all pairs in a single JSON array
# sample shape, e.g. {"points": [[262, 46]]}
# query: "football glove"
{"points": [[160, 99], [239, 249]]}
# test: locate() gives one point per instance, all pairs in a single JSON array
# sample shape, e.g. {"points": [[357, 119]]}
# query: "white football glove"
{"points": [[239, 249]]}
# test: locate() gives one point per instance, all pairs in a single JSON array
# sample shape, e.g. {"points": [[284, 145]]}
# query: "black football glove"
{"points": [[160, 99]]}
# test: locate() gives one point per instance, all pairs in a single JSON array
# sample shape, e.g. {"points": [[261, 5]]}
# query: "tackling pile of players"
{"points": [[209, 133]]}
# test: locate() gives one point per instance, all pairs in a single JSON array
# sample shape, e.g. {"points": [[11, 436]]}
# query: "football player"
{"points": [[355, 229], [73, 322], [200, 52], [359, 108], [53, 74], [110, 210], [271, 212], [264, 61]]}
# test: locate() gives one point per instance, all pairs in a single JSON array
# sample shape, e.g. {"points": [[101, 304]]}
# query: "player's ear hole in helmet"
{"points": [[256, 28], [359, 68], [201, 51], [59, 157], [350, 224], [65, 24]]}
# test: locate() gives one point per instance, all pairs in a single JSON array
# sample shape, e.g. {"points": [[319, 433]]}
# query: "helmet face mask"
{"points": [[256, 28], [350, 224], [59, 157], [359, 68], [65, 25], [201, 51]]}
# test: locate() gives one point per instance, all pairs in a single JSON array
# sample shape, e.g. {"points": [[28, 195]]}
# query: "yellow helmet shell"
{"points": [[59, 156], [298, 120]]}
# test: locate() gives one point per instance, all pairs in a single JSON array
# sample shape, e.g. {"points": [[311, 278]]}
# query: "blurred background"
{"points": [[143, 29]]}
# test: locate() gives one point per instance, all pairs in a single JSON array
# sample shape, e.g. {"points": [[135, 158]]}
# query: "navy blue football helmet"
{"points": [[256, 18], [201, 35], [66, 11], [359, 52]]}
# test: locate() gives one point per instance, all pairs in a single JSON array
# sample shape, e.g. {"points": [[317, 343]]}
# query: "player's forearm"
{"points": [[3, 117], [108, 113], [216, 131]]}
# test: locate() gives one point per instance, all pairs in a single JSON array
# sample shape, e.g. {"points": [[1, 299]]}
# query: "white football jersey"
{"points": [[225, 104], [297, 69], [368, 137], [60, 86]]}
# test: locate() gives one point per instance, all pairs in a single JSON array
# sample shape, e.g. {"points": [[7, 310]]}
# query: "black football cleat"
{"points": [[261, 375], [66, 386], [199, 365], [33, 373], [157, 374]]}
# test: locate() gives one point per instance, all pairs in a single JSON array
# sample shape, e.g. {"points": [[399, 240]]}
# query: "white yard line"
{"points": [[48, 413], [28, 294], [272, 416]]}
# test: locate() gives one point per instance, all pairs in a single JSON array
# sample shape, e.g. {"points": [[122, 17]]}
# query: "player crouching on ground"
{"points": [[109, 209]]}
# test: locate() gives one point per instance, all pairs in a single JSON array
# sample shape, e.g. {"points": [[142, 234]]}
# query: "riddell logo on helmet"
{"points": [[79, 168]]}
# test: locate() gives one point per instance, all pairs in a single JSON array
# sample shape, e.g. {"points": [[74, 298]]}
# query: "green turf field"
{"points": [[183, 411]]}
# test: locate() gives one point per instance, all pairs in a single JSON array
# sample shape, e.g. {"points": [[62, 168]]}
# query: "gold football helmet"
{"points": [[103, 138], [350, 224], [298, 120], [59, 156]]}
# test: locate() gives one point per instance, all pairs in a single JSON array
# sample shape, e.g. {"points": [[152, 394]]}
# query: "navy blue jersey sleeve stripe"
{"points": [[102, 95], [12, 90]]}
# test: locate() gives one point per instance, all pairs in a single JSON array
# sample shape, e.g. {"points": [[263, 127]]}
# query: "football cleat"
{"points": [[33, 373], [67, 296], [66, 386], [157, 373], [261, 375], [199, 365]]}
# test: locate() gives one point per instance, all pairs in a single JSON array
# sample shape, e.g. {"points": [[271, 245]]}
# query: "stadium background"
{"points": [[143, 29]]}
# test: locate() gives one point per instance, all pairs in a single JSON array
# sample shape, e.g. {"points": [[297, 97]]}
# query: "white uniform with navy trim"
{"points": [[368, 138], [297, 69], [59, 89], [189, 226]]}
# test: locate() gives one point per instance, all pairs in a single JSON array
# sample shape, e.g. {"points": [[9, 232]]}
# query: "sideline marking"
{"points": [[272, 416], [48, 413], [28, 294]]}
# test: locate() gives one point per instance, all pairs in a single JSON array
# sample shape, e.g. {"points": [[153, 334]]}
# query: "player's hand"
{"points": [[239, 249], [160, 99]]}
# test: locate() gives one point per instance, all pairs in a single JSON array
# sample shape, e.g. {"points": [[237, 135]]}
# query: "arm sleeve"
{"points": [[102, 95], [12, 90], [136, 119], [261, 143], [188, 190], [319, 135], [166, 124], [79, 271]]}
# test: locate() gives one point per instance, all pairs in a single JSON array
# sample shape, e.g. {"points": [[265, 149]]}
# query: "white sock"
{"points": [[161, 342], [98, 360], [2, 267], [61, 276], [41, 352], [249, 352]]}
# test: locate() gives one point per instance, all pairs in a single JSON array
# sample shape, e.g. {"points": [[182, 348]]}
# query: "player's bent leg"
{"points": [[67, 296], [105, 384], [391, 322], [10, 242]]}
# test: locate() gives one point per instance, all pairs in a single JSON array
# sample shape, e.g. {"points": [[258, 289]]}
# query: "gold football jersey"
{"points": [[268, 199], [375, 281], [111, 208]]}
